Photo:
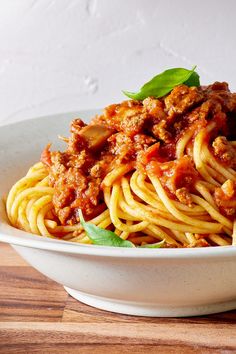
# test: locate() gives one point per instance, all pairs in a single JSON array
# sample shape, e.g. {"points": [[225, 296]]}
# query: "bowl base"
{"points": [[149, 310]]}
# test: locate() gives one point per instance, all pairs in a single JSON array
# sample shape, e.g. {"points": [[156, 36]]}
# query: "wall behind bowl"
{"points": [[64, 55]]}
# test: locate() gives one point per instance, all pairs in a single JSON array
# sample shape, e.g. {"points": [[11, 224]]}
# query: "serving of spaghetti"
{"points": [[150, 170]]}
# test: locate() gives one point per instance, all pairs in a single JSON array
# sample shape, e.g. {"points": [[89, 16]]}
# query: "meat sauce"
{"points": [[146, 133]]}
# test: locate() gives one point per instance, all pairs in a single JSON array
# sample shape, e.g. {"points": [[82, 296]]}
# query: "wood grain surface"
{"points": [[38, 316]]}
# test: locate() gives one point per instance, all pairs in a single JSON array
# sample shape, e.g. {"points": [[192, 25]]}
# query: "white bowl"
{"points": [[146, 282]]}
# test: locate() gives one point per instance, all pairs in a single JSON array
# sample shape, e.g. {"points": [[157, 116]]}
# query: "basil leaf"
{"points": [[154, 245], [101, 236], [193, 80], [163, 83]]}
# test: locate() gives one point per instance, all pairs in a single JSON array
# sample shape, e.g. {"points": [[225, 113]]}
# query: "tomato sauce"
{"points": [[144, 133]]}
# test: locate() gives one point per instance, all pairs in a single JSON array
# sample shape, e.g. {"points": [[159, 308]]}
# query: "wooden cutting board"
{"points": [[38, 316]]}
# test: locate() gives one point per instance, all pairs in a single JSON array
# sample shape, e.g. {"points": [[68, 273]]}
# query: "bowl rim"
{"points": [[11, 235]]}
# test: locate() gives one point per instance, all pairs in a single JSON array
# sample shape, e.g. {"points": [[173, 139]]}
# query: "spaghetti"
{"points": [[160, 169]]}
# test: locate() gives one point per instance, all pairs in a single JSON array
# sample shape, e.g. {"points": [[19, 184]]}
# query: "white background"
{"points": [[64, 55]]}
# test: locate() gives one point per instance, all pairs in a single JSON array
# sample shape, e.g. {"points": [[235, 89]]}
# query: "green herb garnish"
{"points": [[154, 245], [101, 236], [104, 237], [163, 83]]}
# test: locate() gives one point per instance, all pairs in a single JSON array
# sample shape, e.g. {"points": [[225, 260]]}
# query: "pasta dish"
{"points": [[146, 170]]}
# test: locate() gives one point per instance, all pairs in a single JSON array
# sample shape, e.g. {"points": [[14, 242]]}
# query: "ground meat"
{"points": [[134, 124], [76, 125], [160, 131], [83, 160], [64, 214], [97, 170], [225, 198], [200, 243], [63, 195], [155, 108], [142, 142], [224, 151], [89, 198], [184, 196], [102, 166], [114, 114], [59, 161], [46, 156], [181, 99], [69, 173], [121, 146], [209, 108], [76, 143], [219, 91]]}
